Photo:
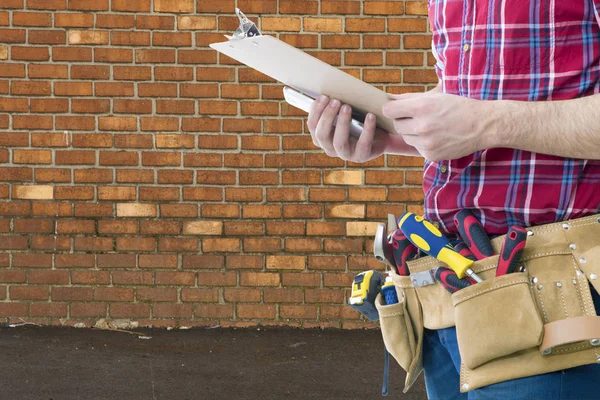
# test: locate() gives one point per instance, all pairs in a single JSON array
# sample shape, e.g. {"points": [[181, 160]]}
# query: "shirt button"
{"points": [[443, 169], [466, 47]]}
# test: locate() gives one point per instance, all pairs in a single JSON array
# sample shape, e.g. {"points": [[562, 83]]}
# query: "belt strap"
{"points": [[571, 330]]}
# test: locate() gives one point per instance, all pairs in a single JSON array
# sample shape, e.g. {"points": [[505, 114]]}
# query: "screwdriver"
{"points": [[512, 248], [429, 239], [472, 232]]}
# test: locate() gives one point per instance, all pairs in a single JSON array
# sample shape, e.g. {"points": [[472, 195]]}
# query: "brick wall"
{"points": [[145, 177]]}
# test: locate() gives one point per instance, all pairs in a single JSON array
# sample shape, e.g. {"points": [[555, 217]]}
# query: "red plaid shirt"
{"points": [[528, 50]]}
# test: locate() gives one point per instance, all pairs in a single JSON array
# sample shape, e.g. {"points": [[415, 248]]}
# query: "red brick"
{"points": [[154, 56], [88, 309], [157, 90], [256, 311], [172, 310], [132, 278], [88, 5], [32, 19], [128, 5], [29, 292], [153, 22], [112, 56], [116, 260], [200, 295], [115, 21], [213, 311], [13, 309], [49, 277], [30, 88], [32, 260], [90, 277], [72, 293], [13, 276], [158, 261], [46, 4], [73, 89], [179, 39], [75, 260], [48, 310], [113, 294], [129, 310], [173, 73], [132, 73], [157, 294], [73, 20], [130, 38], [114, 89]]}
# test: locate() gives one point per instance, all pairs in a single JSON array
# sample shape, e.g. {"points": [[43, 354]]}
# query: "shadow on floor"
{"points": [[68, 363]]}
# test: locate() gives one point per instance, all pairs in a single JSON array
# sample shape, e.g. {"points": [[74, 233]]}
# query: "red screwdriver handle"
{"points": [[403, 250], [512, 248], [450, 281], [472, 232]]}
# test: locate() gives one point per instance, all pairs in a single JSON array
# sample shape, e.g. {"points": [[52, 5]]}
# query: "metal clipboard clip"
{"points": [[246, 29]]}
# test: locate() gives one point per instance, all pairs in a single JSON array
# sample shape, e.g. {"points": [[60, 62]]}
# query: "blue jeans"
{"points": [[441, 361]]}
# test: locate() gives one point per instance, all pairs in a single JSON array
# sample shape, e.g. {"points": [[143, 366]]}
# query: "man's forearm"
{"points": [[566, 128]]}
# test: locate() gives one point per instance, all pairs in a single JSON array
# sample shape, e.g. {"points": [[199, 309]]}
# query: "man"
{"points": [[511, 132]]}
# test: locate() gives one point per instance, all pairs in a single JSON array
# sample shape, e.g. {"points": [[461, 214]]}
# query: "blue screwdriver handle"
{"points": [[430, 240]]}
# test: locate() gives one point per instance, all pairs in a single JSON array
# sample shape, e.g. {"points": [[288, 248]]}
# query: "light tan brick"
{"points": [[203, 228], [280, 24], [347, 211], [343, 178], [197, 23], [3, 53], [286, 262], [361, 228], [88, 37], [33, 192], [322, 24], [136, 210]]}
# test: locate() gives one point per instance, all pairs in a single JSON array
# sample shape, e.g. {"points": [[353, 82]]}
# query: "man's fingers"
{"points": [[316, 110], [364, 145], [324, 131], [341, 142]]}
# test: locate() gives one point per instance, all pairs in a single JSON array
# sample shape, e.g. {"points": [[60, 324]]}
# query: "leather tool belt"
{"points": [[512, 326]]}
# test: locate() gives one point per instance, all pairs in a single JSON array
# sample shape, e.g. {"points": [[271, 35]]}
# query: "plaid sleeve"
{"points": [[596, 10]]}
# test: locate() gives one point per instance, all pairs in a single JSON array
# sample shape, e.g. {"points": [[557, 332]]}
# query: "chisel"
{"points": [[429, 239], [512, 248], [473, 234]]}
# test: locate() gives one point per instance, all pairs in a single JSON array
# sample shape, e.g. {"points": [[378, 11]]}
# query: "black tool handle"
{"points": [[512, 248], [472, 232], [450, 281], [403, 250]]}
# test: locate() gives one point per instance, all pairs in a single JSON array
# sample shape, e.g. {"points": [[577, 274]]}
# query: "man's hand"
{"points": [[336, 140], [441, 126]]}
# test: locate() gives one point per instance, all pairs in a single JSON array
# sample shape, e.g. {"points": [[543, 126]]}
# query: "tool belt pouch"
{"points": [[397, 331], [496, 318], [402, 328]]}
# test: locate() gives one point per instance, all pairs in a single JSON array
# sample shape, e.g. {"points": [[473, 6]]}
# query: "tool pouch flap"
{"points": [[496, 318], [571, 330]]}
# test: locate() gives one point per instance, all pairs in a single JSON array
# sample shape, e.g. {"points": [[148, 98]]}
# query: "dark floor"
{"points": [[68, 363]]}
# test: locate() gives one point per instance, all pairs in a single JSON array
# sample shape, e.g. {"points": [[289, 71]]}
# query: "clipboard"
{"points": [[307, 74]]}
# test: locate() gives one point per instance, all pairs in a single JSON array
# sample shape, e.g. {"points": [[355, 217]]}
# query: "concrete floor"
{"points": [[68, 363]]}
